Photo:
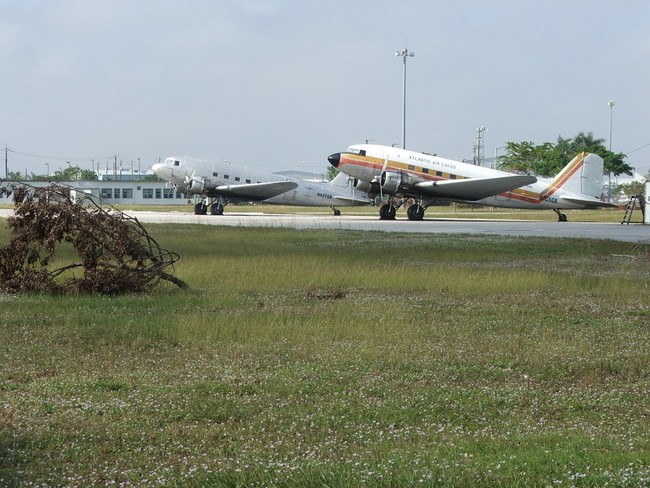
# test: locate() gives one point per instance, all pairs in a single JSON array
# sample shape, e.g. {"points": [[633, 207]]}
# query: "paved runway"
{"points": [[588, 230]]}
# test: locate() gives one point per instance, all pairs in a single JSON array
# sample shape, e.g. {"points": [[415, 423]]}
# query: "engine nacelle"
{"points": [[366, 186], [390, 181], [184, 188], [196, 185]]}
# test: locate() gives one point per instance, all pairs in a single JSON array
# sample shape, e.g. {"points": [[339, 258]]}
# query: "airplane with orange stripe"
{"points": [[403, 175]]}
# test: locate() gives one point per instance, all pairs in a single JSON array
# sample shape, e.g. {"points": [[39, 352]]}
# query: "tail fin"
{"points": [[582, 176], [341, 180]]}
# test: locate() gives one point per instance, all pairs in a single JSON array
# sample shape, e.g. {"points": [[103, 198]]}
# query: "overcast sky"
{"points": [[285, 83]]}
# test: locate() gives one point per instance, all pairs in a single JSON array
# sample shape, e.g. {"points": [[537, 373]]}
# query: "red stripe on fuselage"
{"points": [[556, 185], [517, 194]]}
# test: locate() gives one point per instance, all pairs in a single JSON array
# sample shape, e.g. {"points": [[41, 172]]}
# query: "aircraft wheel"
{"points": [[560, 216], [216, 209], [337, 212], [200, 209], [387, 212], [415, 212]]}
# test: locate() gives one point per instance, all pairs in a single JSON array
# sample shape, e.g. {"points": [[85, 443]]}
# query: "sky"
{"points": [[282, 84]]}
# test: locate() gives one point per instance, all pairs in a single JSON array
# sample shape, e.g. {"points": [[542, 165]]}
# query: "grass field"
{"points": [[338, 358]]}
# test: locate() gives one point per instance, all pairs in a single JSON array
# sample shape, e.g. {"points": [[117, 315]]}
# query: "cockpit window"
{"points": [[355, 150]]}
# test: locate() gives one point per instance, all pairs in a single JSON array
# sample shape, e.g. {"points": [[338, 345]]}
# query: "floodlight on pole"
{"points": [[404, 53], [610, 104]]}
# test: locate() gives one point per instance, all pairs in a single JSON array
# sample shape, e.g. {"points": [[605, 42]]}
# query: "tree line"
{"points": [[548, 159], [71, 173]]}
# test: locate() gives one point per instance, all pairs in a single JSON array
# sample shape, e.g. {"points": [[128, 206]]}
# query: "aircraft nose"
{"points": [[335, 159], [160, 170]]}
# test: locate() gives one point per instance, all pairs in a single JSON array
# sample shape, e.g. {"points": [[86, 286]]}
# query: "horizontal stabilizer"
{"points": [[352, 200], [255, 191], [474, 188], [588, 203]]}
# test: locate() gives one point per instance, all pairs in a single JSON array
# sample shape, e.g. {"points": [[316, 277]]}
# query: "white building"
{"points": [[117, 192]]}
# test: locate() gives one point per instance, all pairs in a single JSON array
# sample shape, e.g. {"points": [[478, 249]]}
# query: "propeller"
{"points": [[383, 170]]}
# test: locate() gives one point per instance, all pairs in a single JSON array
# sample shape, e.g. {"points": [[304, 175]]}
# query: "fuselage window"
{"points": [[237, 178], [215, 174], [226, 177], [248, 181], [177, 163]]}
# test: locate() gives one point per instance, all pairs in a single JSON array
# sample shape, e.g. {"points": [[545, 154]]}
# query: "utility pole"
{"points": [[479, 147], [6, 163]]}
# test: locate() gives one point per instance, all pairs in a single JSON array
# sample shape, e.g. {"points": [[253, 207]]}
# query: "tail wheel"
{"points": [[560, 216]]}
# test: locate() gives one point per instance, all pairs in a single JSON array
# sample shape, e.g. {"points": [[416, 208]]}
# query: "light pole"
{"points": [[611, 112], [609, 173], [404, 53]]}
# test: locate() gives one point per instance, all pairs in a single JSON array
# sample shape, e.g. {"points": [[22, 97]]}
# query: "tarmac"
{"points": [[584, 230], [527, 228]]}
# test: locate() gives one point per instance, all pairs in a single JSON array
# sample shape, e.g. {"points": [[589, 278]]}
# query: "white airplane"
{"points": [[384, 170], [217, 182]]}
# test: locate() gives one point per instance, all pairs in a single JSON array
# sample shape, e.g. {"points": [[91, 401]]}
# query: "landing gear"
{"points": [[387, 211], [336, 211], [216, 206], [560, 216], [415, 212]]}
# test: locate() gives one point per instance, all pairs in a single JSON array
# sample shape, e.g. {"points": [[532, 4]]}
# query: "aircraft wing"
{"points": [[255, 191], [474, 188]]}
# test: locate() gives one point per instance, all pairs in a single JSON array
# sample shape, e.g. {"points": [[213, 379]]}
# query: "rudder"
{"points": [[592, 175], [582, 176]]}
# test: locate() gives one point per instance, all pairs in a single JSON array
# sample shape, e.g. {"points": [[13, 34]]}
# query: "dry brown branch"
{"points": [[116, 253]]}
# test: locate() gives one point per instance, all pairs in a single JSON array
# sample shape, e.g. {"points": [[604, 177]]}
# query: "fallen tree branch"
{"points": [[116, 254]]}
